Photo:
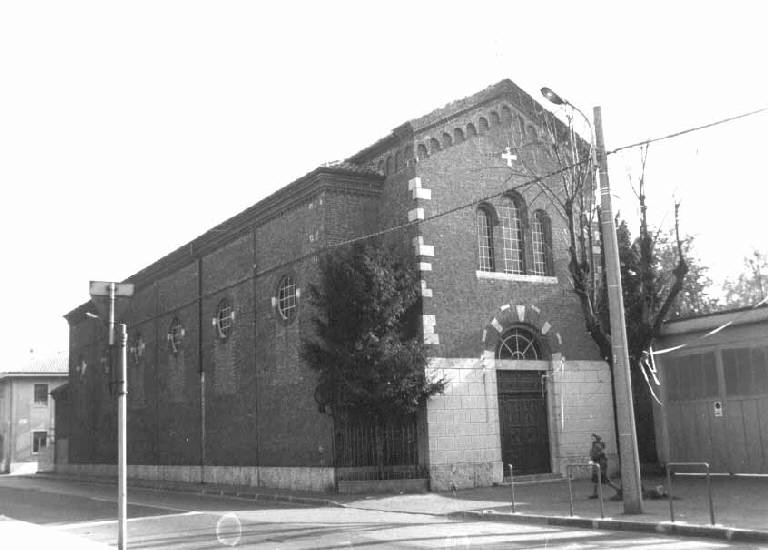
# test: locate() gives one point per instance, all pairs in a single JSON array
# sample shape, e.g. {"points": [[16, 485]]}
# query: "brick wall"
{"points": [[259, 405]]}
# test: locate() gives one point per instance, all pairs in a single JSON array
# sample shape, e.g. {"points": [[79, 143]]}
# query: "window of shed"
{"points": [[286, 298]]}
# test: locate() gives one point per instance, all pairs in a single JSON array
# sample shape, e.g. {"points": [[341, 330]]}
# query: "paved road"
{"points": [[72, 515]]}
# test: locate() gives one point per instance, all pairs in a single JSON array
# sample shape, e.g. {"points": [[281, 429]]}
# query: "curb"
{"points": [[664, 527], [207, 490]]}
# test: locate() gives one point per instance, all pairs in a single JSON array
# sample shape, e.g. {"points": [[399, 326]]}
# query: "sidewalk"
{"points": [[37, 537], [740, 504]]}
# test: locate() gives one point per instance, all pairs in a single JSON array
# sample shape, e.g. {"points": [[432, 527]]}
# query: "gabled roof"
{"points": [[502, 89], [55, 365]]}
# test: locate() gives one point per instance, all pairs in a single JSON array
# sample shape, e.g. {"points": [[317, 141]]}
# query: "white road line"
{"points": [[132, 520], [143, 504]]}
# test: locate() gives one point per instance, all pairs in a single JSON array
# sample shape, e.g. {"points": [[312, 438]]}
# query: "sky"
{"points": [[129, 128]]}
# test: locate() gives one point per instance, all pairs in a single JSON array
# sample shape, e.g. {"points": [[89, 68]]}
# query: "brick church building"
{"points": [[218, 391]]}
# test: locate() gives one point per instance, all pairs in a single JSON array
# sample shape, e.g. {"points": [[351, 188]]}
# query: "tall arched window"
{"points": [[541, 243], [519, 343], [510, 216], [484, 239], [421, 151]]}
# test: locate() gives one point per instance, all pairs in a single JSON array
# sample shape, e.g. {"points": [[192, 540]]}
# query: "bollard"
{"points": [[592, 465], [599, 487], [670, 497], [512, 486]]}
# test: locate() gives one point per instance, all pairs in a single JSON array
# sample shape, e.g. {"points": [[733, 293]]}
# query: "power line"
{"points": [[471, 204], [687, 131]]}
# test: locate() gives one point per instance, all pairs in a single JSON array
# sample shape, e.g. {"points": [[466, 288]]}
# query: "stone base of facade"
{"points": [[464, 429], [465, 475], [383, 486], [23, 468], [295, 478]]}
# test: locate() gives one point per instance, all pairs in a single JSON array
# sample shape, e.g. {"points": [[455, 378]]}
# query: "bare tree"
{"points": [[568, 180]]}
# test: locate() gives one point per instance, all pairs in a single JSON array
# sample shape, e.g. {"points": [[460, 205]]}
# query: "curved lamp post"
{"points": [[625, 418]]}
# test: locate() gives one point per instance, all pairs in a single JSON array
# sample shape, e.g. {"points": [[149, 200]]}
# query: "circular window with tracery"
{"points": [[175, 335], [225, 316], [286, 298], [519, 344]]}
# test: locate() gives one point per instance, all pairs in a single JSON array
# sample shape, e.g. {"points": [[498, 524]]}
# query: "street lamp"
{"points": [[100, 290], [625, 418]]}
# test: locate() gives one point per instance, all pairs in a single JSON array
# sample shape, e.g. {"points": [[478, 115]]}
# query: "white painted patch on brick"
{"points": [[425, 250], [429, 329], [485, 333], [505, 307], [495, 324], [426, 292], [422, 193], [414, 183], [545, 327], [559, 339], [431, 339], [536, 309], [416, 241], [274, 301], [486, 355], [416, 214], [520, 313], [425, 266], [429, 320]]}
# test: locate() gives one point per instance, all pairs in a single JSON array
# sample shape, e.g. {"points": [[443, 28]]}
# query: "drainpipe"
{"points": [[200, 365], [11, 421]]}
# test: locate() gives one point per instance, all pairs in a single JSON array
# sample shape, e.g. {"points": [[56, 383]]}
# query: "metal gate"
{"points": [[523, 422], [368, 451]]}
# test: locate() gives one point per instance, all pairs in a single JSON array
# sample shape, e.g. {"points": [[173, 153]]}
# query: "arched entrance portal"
{"points": [[522, 403]]}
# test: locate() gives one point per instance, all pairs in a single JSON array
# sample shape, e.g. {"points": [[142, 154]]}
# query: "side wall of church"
{"points": [[258, 407]]}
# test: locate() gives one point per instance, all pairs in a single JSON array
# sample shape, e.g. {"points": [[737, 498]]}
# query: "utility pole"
{"points": [[122, 448], [630, 460]]}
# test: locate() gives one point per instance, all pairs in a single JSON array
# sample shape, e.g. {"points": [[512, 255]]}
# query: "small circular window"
{"points": [[286, 298], [518, 343], [225, 316], [175, 335]]}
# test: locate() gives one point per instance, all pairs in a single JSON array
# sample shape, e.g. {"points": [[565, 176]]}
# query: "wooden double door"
{"points": [[523, 422]]}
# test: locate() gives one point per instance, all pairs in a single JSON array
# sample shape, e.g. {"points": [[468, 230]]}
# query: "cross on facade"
{"points": [[508, 156]]}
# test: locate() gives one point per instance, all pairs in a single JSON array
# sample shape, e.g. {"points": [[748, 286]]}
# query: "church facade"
{"points": [[218, 391]]}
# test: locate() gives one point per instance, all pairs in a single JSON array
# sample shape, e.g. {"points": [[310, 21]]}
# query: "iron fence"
{"points": [[366, 450]]}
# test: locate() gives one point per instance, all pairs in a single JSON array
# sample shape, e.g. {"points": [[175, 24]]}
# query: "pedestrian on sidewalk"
{"points": [[597, 455]]}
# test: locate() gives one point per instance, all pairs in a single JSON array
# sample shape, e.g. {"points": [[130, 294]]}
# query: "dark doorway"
{"points": [[523, 422]]}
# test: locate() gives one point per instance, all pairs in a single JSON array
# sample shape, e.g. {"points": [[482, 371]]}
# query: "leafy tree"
{"points": [[367, 346], [694, 298], [751, 287]]}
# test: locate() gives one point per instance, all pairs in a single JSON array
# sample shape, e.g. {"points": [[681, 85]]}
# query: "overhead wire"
{"points": [[471, 204]]}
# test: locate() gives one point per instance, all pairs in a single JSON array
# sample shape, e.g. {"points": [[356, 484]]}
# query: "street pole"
{"points": [[122, 485], [625, 417], [112, 291]]}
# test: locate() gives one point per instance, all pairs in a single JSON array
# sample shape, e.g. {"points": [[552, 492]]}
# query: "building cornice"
{"points": [[343, 178]]}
